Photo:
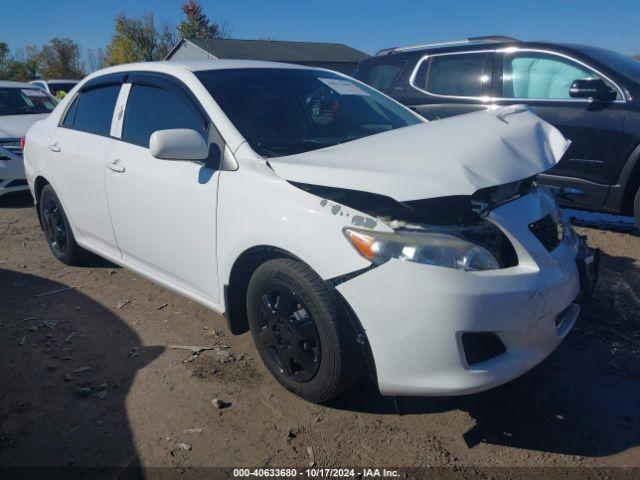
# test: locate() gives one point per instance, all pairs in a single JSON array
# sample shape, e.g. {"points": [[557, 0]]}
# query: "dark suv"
{"points": [[592, 95]]}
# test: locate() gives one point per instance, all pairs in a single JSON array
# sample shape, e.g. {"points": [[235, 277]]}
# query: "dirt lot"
{"points": [[87, 378]]}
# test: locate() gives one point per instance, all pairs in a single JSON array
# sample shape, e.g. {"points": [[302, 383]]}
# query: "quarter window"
{"points": [[539, 75], [382, 75], [460, 75], [150, 109], [92, 110]]}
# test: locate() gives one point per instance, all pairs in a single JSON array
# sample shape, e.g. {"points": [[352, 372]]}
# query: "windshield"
{"points": [[627, 66], [287, 111], [25, 101]]}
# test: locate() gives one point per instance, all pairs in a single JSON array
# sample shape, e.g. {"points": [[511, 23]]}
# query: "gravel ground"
{"points": [[88, 378]]}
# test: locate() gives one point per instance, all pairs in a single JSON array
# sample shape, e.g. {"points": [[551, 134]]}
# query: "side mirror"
{"points": [[178, 144], [592, 88]]}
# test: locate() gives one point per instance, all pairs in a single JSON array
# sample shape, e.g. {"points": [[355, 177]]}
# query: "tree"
{"points": [[197, 24], [134, 40], [21, 65], [95, 59], [60, 58]]}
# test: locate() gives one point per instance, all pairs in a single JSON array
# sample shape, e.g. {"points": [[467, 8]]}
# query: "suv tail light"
{"points": [[23, 141]]}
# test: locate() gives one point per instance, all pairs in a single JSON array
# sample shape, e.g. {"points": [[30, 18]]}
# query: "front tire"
{"points": [[298, 331], [57, 230]]}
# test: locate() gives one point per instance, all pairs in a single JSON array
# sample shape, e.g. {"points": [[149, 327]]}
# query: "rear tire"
{"points": [[57, 230], [636, 207], [299, 333]]}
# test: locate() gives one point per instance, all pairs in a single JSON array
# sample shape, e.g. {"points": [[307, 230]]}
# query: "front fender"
{"points": [[258, 208]]}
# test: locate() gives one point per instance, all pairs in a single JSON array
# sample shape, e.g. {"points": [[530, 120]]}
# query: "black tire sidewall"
{"points": [[71, 253], [326, 382]]}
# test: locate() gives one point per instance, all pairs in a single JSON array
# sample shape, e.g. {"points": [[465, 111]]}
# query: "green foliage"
{"points": [[18, 66], [60, 58], [197, 24], [137, 40]]}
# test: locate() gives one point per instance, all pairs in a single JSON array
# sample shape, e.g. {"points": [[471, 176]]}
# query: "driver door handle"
{"points": [[116, 166], [54, 147]]}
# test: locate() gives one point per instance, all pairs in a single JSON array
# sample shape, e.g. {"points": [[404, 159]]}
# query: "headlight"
{"points": [[429, 248]]}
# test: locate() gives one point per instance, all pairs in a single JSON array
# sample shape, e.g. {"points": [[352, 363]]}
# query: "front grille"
{"points": [[546, 230], [12, 146]]}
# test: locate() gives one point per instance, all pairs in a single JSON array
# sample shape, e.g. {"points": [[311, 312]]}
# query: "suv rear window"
{"points": [[382, 75], [460, 75], [92, 110]]}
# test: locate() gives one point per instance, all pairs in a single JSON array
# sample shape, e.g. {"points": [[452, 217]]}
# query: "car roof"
{"points": [[195, 66], [470, 45], [9, 84]]}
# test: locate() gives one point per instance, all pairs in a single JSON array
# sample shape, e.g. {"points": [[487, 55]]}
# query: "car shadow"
{"points": [[67, 364], [16, 200], [583, 400]]}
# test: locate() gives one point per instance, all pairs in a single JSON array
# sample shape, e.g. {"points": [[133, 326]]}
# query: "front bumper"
{"points": [[12, 176], [415, 315]]}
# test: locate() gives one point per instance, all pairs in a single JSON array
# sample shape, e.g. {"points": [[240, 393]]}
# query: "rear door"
{"points": [[164, 211], [542, 79], [447, 84], [79, 147]]}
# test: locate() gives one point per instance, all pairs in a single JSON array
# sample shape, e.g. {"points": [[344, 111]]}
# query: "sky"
{"points": [[365, 25]]}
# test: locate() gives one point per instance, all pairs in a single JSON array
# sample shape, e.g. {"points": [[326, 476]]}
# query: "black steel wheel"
{"points": [[288, 332], [57, 230], [298, 331]]}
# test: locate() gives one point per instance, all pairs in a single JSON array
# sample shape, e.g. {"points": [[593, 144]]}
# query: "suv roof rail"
{"points": [[493, 38], [485, 39]]}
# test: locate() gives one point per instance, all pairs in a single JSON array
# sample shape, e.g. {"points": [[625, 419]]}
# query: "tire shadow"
{"points": [[583, 400], [66, 365]]}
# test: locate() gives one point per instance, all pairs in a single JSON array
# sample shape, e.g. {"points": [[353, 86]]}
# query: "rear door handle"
{"points": [[116, 166], [54, 147]]}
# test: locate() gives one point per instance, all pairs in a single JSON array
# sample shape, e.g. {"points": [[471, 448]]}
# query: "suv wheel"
{"points": [[57, 230], [301, 338]]}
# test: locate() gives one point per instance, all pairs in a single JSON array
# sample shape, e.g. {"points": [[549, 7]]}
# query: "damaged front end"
{"points": [[451, 231]]}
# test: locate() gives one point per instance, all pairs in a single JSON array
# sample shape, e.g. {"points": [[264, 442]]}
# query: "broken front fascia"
{"points": [[424, 179]]}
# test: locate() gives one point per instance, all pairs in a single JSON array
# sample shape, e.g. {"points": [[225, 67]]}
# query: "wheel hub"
{"points": [[289, 334]]}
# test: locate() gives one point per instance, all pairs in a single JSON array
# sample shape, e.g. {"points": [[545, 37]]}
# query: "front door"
{"points": [[542, 80], [163, 211]]}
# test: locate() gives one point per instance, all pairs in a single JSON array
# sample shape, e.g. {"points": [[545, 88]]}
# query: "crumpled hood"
{"points": [[16, 126], [454, 156]]}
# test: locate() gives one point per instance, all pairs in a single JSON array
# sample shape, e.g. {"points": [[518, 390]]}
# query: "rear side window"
{"points": [[460, 75], [92, 110], [383, 75], [151, 108], [25, 101]]}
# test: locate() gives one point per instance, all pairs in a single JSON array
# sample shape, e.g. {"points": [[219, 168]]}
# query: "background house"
{"points": [[333, 56]]}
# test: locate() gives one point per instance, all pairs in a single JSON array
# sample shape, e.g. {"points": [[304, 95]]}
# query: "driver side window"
{"points": [[151, 108], [538, 75]]}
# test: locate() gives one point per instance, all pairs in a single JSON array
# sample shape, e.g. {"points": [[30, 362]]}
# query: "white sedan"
{"points": [[21, 105], [340, 228]]}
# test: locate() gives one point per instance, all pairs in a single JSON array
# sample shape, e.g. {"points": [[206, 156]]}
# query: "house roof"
{"points": [[276, 50]]}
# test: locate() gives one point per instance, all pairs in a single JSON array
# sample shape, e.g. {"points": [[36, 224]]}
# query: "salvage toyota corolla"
{"points": [[340, 228]]}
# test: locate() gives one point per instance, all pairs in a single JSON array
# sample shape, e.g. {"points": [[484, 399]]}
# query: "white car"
{"points": [[54, 87], [342, 229], [21, 105]]}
